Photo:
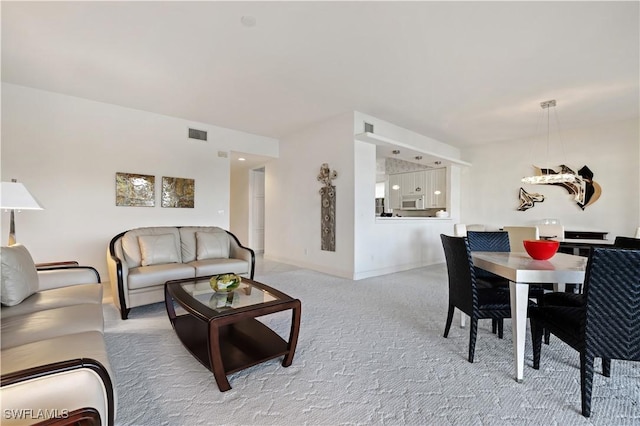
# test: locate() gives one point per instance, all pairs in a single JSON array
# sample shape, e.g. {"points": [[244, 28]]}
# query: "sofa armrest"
{"points": [[238, 251], [47, 265], [57, 390], [118, 274], [64, 276]]}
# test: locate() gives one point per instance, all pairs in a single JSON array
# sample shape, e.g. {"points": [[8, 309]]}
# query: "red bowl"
{"points": [[541, 249]]}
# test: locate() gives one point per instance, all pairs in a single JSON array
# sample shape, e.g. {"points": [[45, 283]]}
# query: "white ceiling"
{"points": [[461, 72]]}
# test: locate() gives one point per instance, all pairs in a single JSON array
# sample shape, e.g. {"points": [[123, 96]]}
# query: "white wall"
{"points": [[292, 200], [384, 246], [404, 136], [490, 187], [67, 151]]}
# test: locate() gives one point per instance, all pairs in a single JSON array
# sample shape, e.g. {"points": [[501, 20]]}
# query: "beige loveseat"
{"points": [[54, 358], [141, 260]]}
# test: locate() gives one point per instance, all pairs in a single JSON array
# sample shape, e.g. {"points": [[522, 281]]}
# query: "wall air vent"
{"points": [[200, 135], [368, 127]]}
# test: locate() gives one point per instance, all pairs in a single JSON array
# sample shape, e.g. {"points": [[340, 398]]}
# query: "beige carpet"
{"points": [[370, 352]]}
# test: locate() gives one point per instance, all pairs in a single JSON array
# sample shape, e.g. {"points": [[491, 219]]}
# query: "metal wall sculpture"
{"points": [[528, 200], [135, 190], [584, 189], [178, 192], [328, 208]]}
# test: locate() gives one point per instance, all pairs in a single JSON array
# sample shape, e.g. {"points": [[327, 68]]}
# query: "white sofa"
{"points": [[54, 359], [141, 260]]}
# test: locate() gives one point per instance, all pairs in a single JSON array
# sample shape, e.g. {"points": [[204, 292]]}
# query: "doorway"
{"points": [[256, 209]]}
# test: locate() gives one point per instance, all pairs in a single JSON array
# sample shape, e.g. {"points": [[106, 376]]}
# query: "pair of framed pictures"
{"points": [[136, 190]]}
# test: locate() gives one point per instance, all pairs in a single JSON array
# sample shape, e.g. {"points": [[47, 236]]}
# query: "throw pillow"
{"points": [[157, 249], [19, 274], [212, 245]]}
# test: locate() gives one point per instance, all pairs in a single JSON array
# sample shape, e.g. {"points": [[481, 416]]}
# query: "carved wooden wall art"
{"points": [[327, 208]]}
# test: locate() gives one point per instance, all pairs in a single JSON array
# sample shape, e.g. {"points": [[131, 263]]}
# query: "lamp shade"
{"points": [[15, 196]]}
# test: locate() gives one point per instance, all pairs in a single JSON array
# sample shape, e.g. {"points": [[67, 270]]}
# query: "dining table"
{"points": [[521, 270]]}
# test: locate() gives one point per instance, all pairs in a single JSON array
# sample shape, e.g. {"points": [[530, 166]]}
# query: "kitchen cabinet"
{"points": [[413, 183], [436, 184], [395, 185], [430, 183]]}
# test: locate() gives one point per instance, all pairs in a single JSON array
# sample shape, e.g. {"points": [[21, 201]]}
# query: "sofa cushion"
{"points": [[220, 266], [154, 275], [158, 249], [212, 245], [88, 344], [19, 275], [131, 246], [56, 298], [188, 240], [29, 328]]}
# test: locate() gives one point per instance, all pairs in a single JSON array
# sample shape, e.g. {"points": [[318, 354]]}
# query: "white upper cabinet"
{"points": [[413, 183], [395, 187], [436, 188]]}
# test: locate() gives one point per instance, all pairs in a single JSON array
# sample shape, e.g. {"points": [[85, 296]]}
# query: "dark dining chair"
{"points": [[576, 299], [600, 323], [464, 294], [571, 299], [497, 241], [489, 241]]}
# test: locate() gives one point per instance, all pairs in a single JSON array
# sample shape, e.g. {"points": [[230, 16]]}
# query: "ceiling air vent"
{"points": [[197, 134]]}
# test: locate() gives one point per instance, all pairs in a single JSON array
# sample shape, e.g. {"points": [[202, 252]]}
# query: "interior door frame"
{"points": [[252, 192]]}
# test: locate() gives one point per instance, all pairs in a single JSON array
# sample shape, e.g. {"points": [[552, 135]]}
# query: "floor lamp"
{"points": [[14, 196]]}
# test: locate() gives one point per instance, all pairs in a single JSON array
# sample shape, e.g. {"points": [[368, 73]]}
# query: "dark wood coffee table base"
{"points": [[230, 343]]}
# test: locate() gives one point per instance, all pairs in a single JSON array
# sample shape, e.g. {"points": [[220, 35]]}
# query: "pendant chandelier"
{"points": [[548, 176]]}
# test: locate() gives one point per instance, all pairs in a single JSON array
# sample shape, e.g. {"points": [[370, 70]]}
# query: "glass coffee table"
{"points": [[221, 330]]}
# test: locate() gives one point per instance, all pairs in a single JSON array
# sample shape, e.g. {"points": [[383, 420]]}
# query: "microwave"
{"points": [[412, 202]]}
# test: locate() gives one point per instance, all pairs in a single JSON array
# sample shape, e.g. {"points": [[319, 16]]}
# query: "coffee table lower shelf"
{"points": [[242, 344]]}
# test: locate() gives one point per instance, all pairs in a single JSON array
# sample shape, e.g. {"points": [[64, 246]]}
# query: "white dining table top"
{"points": [[521, 268]]}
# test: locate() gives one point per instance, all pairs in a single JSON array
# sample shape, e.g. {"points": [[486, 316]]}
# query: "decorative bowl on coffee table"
{"points": [[225, 283], [541, 249]]}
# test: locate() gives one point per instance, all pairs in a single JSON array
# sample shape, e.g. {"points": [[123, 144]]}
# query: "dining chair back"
{"points": [[603, 323], [488, 241], [461, 229], [627, 242], [476, 227], [464, 294], [551, 231], [497, 241], [517, 234]]}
